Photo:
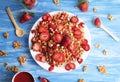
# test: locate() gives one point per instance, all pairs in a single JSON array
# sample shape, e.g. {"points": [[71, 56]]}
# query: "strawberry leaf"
{"points": [[82, 1], [31, 14]]}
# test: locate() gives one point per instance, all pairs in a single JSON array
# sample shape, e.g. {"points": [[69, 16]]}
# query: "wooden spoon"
{"points": [[98, 23], [19, 31]]}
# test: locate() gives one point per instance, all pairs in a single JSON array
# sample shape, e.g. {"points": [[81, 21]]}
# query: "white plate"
{"points": [[46, 65]]}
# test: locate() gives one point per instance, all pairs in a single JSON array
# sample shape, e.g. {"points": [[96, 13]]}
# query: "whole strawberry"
{"points": [[29, 3], [83, 5], [25, 17]]}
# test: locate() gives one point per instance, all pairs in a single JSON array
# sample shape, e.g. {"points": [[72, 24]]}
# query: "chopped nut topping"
{"points": [[3, 53], [97, 45], [85, 68], [110, 17], [17, 44], [56, 1], [102, 69], [6, 34], [22, 59], [95, 9], [105, 52], [81, 80], [6, 64], [13, 68]]}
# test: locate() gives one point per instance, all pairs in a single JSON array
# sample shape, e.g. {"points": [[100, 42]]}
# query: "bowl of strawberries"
{"points": [[59, 41]]}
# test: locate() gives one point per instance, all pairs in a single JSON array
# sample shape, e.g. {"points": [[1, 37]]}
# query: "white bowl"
{"points": [[46, 65]]}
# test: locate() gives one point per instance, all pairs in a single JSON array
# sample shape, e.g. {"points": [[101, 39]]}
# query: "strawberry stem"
{"points": [[82, 1]]}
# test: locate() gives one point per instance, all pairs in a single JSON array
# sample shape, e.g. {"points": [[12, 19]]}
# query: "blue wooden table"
{"points": [[98, 36]]}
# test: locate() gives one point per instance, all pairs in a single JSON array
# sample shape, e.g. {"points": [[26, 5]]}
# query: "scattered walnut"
{"points": [[110, 17], [81, 80], [3, 53], [6, 64], [85, 68], [22, 59], [102, 69], [17, 44], [95, 9], [97, 45], [105, 52], [13, 68], [56, 1], [6, 34]]}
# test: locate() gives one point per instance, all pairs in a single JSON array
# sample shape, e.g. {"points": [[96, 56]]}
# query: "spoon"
{"points": [[98, 23], [19, 31]]}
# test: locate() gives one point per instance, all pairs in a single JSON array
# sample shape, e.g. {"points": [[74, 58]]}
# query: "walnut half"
{"points": [[22, 59], [3, 53]]}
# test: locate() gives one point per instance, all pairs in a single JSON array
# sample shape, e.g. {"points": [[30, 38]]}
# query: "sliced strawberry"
{"points": [[84, 42], [59, 57], [34, 39], [43, 59], [38, 57], [60, 26], [77, 34], [44, 80], [84, 6], [67, 67], [27, 2], [47, 17], [51, 68], [81, 24], [44, 36], [97, 22], [54, 47], [52, 26], [86, 47], [32, 31], [42, 29], [80, 60], [50, 51], [37, 47], [74, 19], [72, 66], [74, 28], [70, 47], [44, 48], [66, 41], [57, 37]]}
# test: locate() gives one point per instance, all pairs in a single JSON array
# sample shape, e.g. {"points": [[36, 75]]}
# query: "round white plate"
{"points": [[46, 65]]}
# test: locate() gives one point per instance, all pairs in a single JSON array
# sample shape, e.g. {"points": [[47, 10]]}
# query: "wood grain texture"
{"points": [[95, 58]]}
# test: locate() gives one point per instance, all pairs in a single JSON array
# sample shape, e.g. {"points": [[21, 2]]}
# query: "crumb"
{"points": [[97, 45], [3, 53], [56, 1], [110, 17], [105, 52], [95, 10], [6, 34], [6, 64], [13, 68], [85, 68], [17, 44], [81, 80], [102, 69], [22, 59]]}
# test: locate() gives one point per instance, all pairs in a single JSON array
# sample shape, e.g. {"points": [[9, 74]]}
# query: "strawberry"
{"points": [[36, 47], [57, 37], [47, 17], [67, 67], [42, 29], [84, 42], [80, 60], [77, 34], [34, 39], [66, 41], [58, 57], [40, 58], [60, 26], [52, 26], [44, 36], [70, 47], [81, 24], [44, 80], [97, 22], [25, 17], [86, 47], [63, 16], [29, 3], [74, 28], [74, 19], [51, 67], [70, 66], [83, 5]]}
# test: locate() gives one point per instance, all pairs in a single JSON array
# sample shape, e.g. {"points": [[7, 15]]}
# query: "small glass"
{"points": [[29, 4]]}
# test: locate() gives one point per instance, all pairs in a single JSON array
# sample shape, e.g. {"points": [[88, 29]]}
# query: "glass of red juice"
{"points": [[23, 77]]}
